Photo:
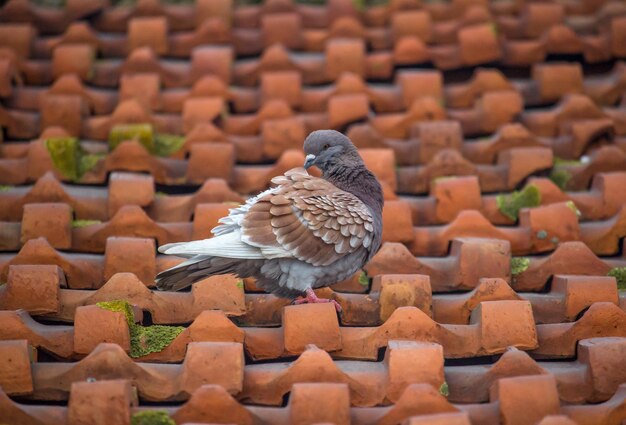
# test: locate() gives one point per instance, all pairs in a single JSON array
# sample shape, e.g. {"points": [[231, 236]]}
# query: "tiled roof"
{"points": [[498, 132]]}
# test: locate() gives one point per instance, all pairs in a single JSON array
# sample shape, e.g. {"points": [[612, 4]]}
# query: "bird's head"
{"points": [[327, 148]]}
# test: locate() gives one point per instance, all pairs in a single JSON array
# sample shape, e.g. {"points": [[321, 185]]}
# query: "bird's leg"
{"points": [[312, 298]]}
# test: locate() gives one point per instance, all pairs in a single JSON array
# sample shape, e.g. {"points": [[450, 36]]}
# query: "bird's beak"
{"points": [[309, 160]]}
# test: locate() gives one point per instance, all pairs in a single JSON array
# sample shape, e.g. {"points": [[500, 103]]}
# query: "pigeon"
{"points": [[303, 233]]}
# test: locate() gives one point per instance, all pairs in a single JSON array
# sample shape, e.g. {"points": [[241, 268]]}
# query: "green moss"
{"points": [[619, 273], [84, 223], [160, 194], [444, 390], [157, 144], [152, 417], [572, 206], [152, 339], [143, 133], [359, 4], [5, 187], [143, 339], [510, 205], [69, 157], [560, 177], [239, 284], [167, 144], [120, 305], [441, 178], [561, 161], [519, 265], [364, 279]]}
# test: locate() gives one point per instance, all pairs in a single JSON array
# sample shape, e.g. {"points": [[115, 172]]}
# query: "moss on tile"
{"points": [[152, 417], [619, 273], [167, 144], [143, 133], [84, 223], [511, 204], [120, 305], [444, 390], [519, 265], [152, 339], [155, 143], [442, 178], [5, 187], [364, 279], [240, 284], [561, 161], [69, 157], [143, 339], [572, 206], [560, 177]]}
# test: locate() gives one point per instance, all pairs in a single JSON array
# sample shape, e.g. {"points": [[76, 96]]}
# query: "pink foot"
{"points": [[312, 298]]}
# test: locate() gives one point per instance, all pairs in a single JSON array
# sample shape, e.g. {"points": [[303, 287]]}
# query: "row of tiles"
{"points": [[540, 229], [91, 163], [447, 198], [489, 327], [187, 15], [517, 400], [457, 271], [68, 105], [410, 38], [568, 296], [549, 82], [593, 378], [542, 23]]}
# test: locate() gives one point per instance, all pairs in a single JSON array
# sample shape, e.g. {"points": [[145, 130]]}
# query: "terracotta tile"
{"points": [[29, 415], [134, 255], [569, 257], [148, 32], [19, 325], [345, 55], [457, 271], [457, 308], [23, 281], [18, 37], [516, 394], [101, 402], [129, 189], [212, 404], [220, 155], [74, 59], [439, 418], [554, 81], [52, 221], [280, 135], [403, 291], [334, 398], [216, 292], [490, 316], [600, 320], [15, 367], [112, 328], [311, 324]]}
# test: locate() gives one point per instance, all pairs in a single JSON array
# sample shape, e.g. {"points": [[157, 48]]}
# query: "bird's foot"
{"points": [[312, 298]]}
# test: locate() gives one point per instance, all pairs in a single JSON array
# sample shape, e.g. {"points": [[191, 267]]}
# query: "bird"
{"points": [[303, 233]]}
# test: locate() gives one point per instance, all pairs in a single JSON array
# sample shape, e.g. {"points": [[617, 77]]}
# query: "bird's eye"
{"points": [[326, 146]]}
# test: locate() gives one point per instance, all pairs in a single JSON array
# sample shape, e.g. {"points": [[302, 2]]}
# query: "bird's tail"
{"points": [[193, 270]]}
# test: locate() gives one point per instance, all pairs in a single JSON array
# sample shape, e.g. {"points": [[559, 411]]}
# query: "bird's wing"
{"points": [[308, 217]]}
